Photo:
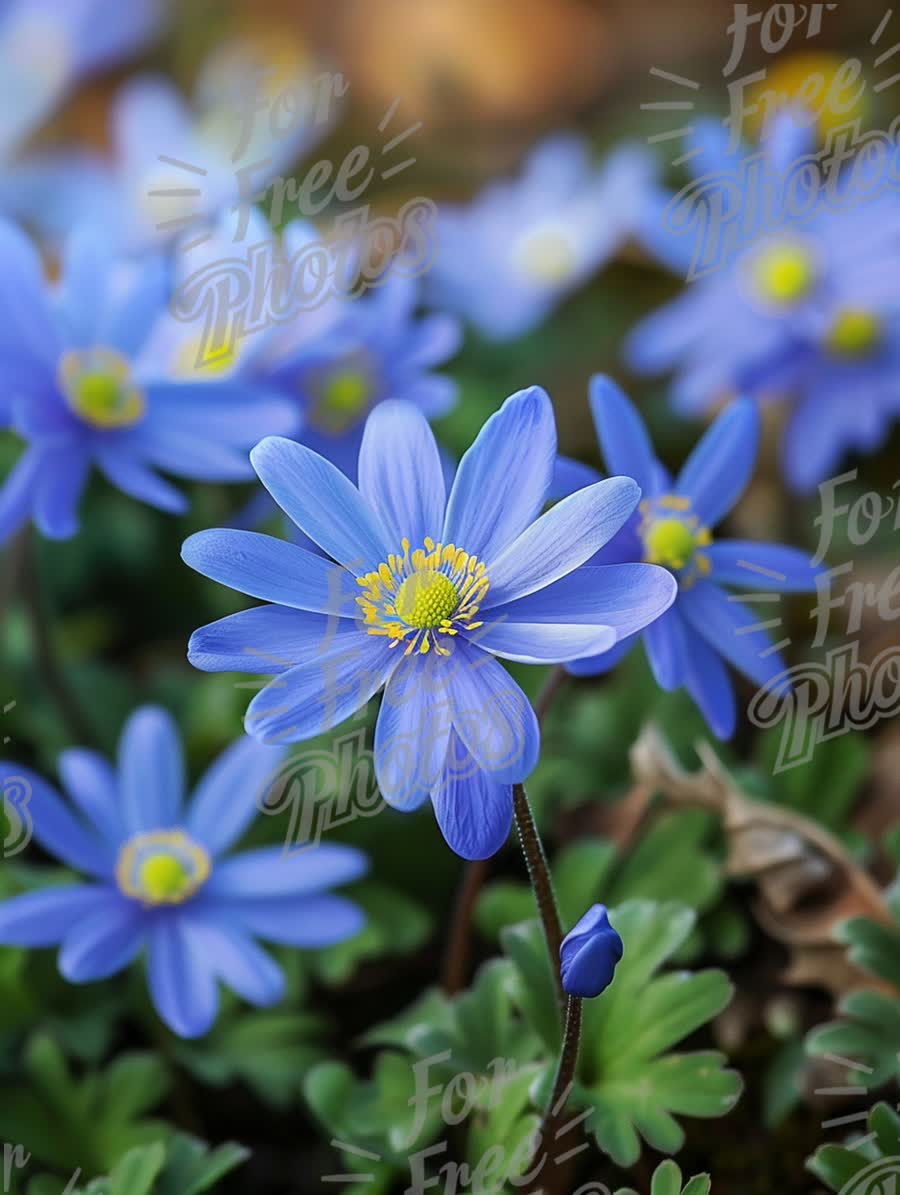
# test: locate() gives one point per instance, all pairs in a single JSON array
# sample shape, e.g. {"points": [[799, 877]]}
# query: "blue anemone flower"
{"points": [[160, 879], [47, 46], [420, 595], [589, 954], [78, 388], [706, 626], [798, 304], [510, 257]]}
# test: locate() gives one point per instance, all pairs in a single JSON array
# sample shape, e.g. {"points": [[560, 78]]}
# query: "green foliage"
{"points": [[667, 1180], [873, 1157], [628, 1079], [180, 1166], [95, 1119], [825, 787], [870, 1026], [672, 861]]}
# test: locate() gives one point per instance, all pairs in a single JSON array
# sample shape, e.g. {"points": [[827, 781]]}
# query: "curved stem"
{"points": [[45, 651], [551, 1128], [541, 882], [456, 959]]}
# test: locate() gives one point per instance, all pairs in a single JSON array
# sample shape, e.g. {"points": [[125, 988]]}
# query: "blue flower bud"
{"points": [[589, 954]]}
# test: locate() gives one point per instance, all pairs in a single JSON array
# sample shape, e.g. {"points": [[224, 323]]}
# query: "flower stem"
{"points": [[456, 959], [541, 882], [45, 651], [551, 1127]]}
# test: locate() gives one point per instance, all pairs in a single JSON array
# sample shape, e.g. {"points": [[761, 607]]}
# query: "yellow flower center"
{"points": [[343, 396], [672, 537], [423, 598], [546, 256], [854, 333], [97, 386], [814, 80], [162, 867], [196, 359], [784, 273]]}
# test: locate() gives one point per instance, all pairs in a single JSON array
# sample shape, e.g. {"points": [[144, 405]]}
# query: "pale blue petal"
{"points": [[561, 540], [665, 641], [44, 918], [272, 570], [504, 477], [721, 465], [598, 665], [182, 979], [323, 503], [151, 771], [17, 494], [57, 830], [59, 487], [473, 810], [491, 715], [230, 793], [733, 630], [710, 686], [138, 481], [91, 782], [264, 641], [400, 475], [626, 446], [412, 731], [102, 944], [762, 566], [310, 922], [275, 872], [239, 962]]}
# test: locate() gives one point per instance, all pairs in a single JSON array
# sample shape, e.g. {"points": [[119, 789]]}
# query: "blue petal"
{"points": [[666, 644], [710, 686], [812, 445], [44, 918], [55, 828], [492, 717], [320, 693], [91, 782], [762, 566], [561, 540], [400, 475], [239, 962], [570, 475], [267, 640], [733, 630], [102, 944], [309, 922], [627, 449], [322, 502], [272, 570], [598, 665], [86, 266], [544, 642], [17, 494], [58, 492], [719, 468], [473, 810], [274, 871], [151, 771], [28, 332], [181, 978], [624, 596], [503, 478], [138, 481], [412, 731], [230, 793]]}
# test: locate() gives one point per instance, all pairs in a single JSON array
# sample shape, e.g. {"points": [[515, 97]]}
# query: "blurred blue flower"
{"points": [[590, 954], [78, 388], [706, 626], [510, 257], [47, 46], [425, 592], [160, 879], [807, 310]]}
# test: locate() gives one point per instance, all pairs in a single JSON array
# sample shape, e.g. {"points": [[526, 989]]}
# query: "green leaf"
{"points": [[395, 924], [837, 1166], [135, 1173], [873, 947], [870, 1031], [530, 982]]}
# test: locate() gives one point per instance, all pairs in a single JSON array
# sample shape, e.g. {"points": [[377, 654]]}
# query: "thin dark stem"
{"points": [[44, 648], [541, 882], [552, 1127], [456, 958]]}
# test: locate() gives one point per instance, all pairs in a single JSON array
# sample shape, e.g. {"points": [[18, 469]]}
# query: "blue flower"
{"points": [[706, 626], [47, 46], [807, 310], [426, 591], [590, 954], [78, 387], [510, 257], [160, 880]]}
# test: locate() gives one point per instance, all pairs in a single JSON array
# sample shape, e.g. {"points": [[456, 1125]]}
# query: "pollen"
{"points": [[854, 333], [673, 537], [98, 388], [423, 597], [163, 867], [343, 396], [426, 599], [784, 273], [546, 256]]}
